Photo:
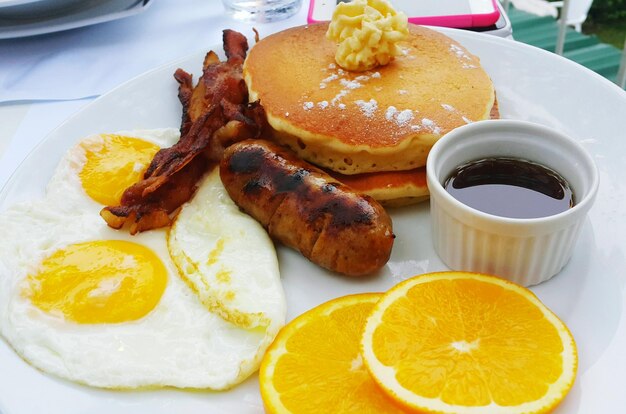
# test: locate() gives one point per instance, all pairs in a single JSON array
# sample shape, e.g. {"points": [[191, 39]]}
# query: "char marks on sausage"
{"points": [[306, 209]]}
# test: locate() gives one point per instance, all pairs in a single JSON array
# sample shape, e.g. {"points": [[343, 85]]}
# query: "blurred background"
{"points": [[607, 20]]}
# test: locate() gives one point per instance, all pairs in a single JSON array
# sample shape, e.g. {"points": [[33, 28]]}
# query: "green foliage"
{"points": [[608, 11], [612, 32]]}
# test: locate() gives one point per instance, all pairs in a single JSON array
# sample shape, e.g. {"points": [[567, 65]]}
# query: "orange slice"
{"points": [[457, 342], [314, 364]]}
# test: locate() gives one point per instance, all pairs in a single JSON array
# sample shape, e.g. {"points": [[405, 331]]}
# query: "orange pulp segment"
{"points": [[314, 364]]}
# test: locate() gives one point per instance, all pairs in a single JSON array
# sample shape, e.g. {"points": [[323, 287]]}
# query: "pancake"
{"points": [[390, 188], [386, 119]]}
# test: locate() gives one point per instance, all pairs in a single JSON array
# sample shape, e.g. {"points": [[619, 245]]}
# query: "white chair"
{"points": [[536, 7], [573, 13], [577, 13]]}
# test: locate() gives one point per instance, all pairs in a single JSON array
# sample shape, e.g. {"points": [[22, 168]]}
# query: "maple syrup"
{"points": [[510, 187]]}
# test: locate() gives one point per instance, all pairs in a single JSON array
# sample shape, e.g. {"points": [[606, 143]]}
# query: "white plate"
{"points": [[34, 17], [532, 85]]}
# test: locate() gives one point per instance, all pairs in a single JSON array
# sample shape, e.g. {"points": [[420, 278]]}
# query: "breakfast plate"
{"points": [[532, 85]]}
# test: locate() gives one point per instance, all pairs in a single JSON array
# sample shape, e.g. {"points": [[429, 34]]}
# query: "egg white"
{"points": [[228, 258], [180, 343]]}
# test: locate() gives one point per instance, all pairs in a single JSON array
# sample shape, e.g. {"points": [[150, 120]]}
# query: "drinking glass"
{"points": [[261, 10]]}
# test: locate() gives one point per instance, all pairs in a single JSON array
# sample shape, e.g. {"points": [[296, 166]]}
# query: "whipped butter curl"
{"points": [[367, 33]]}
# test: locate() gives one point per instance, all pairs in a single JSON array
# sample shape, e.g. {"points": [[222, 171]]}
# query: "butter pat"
{"points": [[367, 33]]}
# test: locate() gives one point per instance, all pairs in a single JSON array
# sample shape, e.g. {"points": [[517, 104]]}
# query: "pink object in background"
{"points": [[457, 13]]}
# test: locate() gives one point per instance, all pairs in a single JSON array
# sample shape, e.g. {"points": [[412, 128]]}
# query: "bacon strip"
{"points": [[215, 114], [185, 91]]}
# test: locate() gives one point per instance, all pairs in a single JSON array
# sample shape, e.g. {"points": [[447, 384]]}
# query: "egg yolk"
{"points": [[114, 165], [104, 281]]}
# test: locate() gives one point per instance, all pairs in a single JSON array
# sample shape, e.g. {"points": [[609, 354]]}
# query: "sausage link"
{"points": [[306, 209]]}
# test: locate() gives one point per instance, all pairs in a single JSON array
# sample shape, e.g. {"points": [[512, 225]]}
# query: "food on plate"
{"points": [[131, 159], [215, 117], [90, 304], [367, 33], [215, 113], [300, 205], [447, 342], [227, 258], [314, 365], [221, 86], [458, 342], [382, 120], [390, 188]]}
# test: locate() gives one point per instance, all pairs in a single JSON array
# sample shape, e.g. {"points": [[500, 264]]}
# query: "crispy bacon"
{"points": [[216, 113], [185, 91]]}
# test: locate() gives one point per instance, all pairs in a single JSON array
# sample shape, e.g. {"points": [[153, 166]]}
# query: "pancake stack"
{"points": [[371, 130]]}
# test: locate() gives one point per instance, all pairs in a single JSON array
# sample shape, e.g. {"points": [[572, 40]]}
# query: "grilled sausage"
{"points": [[306, 209]]}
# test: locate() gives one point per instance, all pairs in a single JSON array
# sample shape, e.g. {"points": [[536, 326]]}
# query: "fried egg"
{"points": [[100, 307], [222, 254]]}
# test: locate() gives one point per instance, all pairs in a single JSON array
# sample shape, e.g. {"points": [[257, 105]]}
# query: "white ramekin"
{"points": [[525, 251]]}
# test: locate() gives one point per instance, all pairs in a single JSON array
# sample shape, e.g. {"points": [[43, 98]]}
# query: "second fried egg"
{"points": [[228, 258]]}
